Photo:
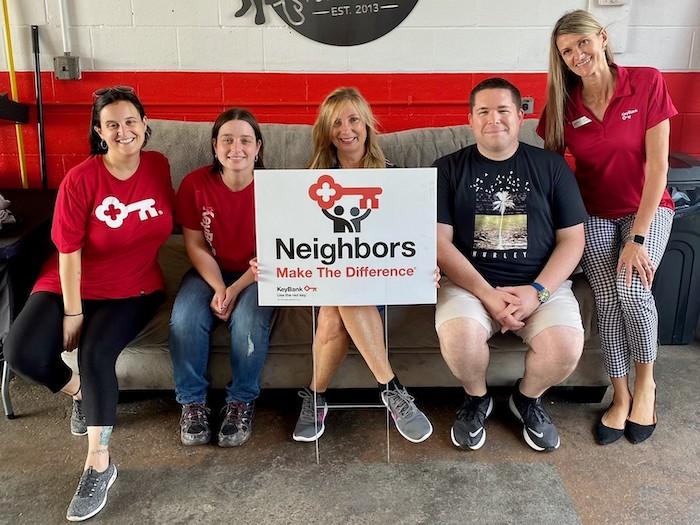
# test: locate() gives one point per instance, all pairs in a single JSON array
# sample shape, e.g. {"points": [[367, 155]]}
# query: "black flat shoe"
{"points": [[637, 433], [604, 435]]}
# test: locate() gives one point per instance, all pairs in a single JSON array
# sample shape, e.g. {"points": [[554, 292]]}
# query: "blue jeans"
{"points": [[191, 325]]}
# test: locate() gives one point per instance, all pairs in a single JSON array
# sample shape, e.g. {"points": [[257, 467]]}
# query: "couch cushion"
{"points": [[187, 145]]}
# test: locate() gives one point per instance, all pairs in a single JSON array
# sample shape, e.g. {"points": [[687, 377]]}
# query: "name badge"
{"points": [[581, 121]]}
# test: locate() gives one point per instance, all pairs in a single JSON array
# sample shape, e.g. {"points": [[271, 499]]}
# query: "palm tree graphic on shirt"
{"points": [[502, 202]]}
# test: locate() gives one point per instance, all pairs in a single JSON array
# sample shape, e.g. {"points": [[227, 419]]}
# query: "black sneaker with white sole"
{"points": [[468, 429], [194, 424], [538, 430]]}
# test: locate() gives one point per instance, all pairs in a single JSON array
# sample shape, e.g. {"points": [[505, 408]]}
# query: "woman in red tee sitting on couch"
{"points": [[216, 209], [113, 212]]}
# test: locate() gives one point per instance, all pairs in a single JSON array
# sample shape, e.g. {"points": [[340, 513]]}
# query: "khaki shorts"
{"points": [[560, 310]]}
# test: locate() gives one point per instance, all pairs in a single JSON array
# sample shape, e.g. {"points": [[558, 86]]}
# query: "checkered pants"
{"points": [[627, 318]]}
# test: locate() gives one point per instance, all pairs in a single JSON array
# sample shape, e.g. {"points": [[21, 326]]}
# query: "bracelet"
{"points": [[72, 315]]}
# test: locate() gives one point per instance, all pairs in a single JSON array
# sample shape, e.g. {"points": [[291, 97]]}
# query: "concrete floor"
{"points": [[275, 480]]}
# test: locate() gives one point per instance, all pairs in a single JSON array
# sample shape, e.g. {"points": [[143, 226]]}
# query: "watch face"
{"points": [[543, 295]]}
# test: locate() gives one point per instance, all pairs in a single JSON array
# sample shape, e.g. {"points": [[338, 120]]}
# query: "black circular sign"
{"points": [[343, 22]]}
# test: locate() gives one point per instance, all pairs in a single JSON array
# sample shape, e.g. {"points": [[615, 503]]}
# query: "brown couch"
{"points": [[413, 344]]}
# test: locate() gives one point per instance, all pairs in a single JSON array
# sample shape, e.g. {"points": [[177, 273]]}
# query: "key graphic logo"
{"points": [[113, 212], [327, 193]]}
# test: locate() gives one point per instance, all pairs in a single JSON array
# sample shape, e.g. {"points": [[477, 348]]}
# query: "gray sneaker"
{"points": [[91, 495], [78, 424], [410, 422], [310, 426], [236, 423], [194, 424]]}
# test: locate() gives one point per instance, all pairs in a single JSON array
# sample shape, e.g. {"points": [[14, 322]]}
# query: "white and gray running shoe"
{"points": [[410, 422], [91, 495], [78, 423], [310, 426]]}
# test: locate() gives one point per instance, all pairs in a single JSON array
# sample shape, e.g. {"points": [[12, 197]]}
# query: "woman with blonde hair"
{"points": [[345, 137], [614, 120]]}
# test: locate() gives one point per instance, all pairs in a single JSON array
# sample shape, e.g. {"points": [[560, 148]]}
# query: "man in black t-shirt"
{"points": [[510, 233]]}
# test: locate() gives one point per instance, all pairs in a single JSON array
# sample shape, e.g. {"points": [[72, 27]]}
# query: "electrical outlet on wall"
{"points": [[67, 67], [528, 105]]}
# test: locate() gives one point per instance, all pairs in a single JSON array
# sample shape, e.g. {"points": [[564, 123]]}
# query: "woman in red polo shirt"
{"points": [[113, 212], [615, 122]]}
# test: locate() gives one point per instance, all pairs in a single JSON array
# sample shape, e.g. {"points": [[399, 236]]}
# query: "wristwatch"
{"points": [[542, 292], [638, 239]]}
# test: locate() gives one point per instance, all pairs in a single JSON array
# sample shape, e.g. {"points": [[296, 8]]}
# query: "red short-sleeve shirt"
{"points": [[225, 217], [118, 224], [611, 154]]}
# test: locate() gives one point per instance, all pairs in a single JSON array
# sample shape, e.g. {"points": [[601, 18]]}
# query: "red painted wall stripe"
{"points": [[400, 101]]}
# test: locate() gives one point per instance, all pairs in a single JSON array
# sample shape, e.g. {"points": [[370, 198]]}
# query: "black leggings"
{"points": [[35, 342]]}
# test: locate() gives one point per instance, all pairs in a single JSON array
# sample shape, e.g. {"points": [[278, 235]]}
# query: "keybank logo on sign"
{"points": [[335, 22], [327, 193], [364, 236]]}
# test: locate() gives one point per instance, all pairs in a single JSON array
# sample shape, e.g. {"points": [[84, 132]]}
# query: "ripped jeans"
{"points": [[191, 325]]}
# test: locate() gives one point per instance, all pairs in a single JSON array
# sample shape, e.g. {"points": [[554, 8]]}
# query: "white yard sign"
{"points": [[346, 237]]}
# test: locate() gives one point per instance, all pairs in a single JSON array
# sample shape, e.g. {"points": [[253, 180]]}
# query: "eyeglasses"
{"points": [[113, 89]]}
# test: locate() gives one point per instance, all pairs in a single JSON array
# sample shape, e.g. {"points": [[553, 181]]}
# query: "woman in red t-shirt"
{"points": [[615, 122], [113, 212], [215, 206], [345, 137]]}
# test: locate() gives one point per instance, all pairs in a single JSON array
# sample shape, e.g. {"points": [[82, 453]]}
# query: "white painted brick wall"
{"points": [[497, 13], [404, 49], [665, 13], [286, 50], [214, 49], [670, 48], [228, 9], [135, 48], [91, 12], [439, 35], [27, 12], [176, 12], [50, 45]]}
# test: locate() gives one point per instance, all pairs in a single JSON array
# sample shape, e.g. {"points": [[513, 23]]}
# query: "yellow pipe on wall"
{"points": [[13, 89]]}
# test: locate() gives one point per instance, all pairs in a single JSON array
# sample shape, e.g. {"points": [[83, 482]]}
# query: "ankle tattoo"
{"points": [[105, 434]]}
